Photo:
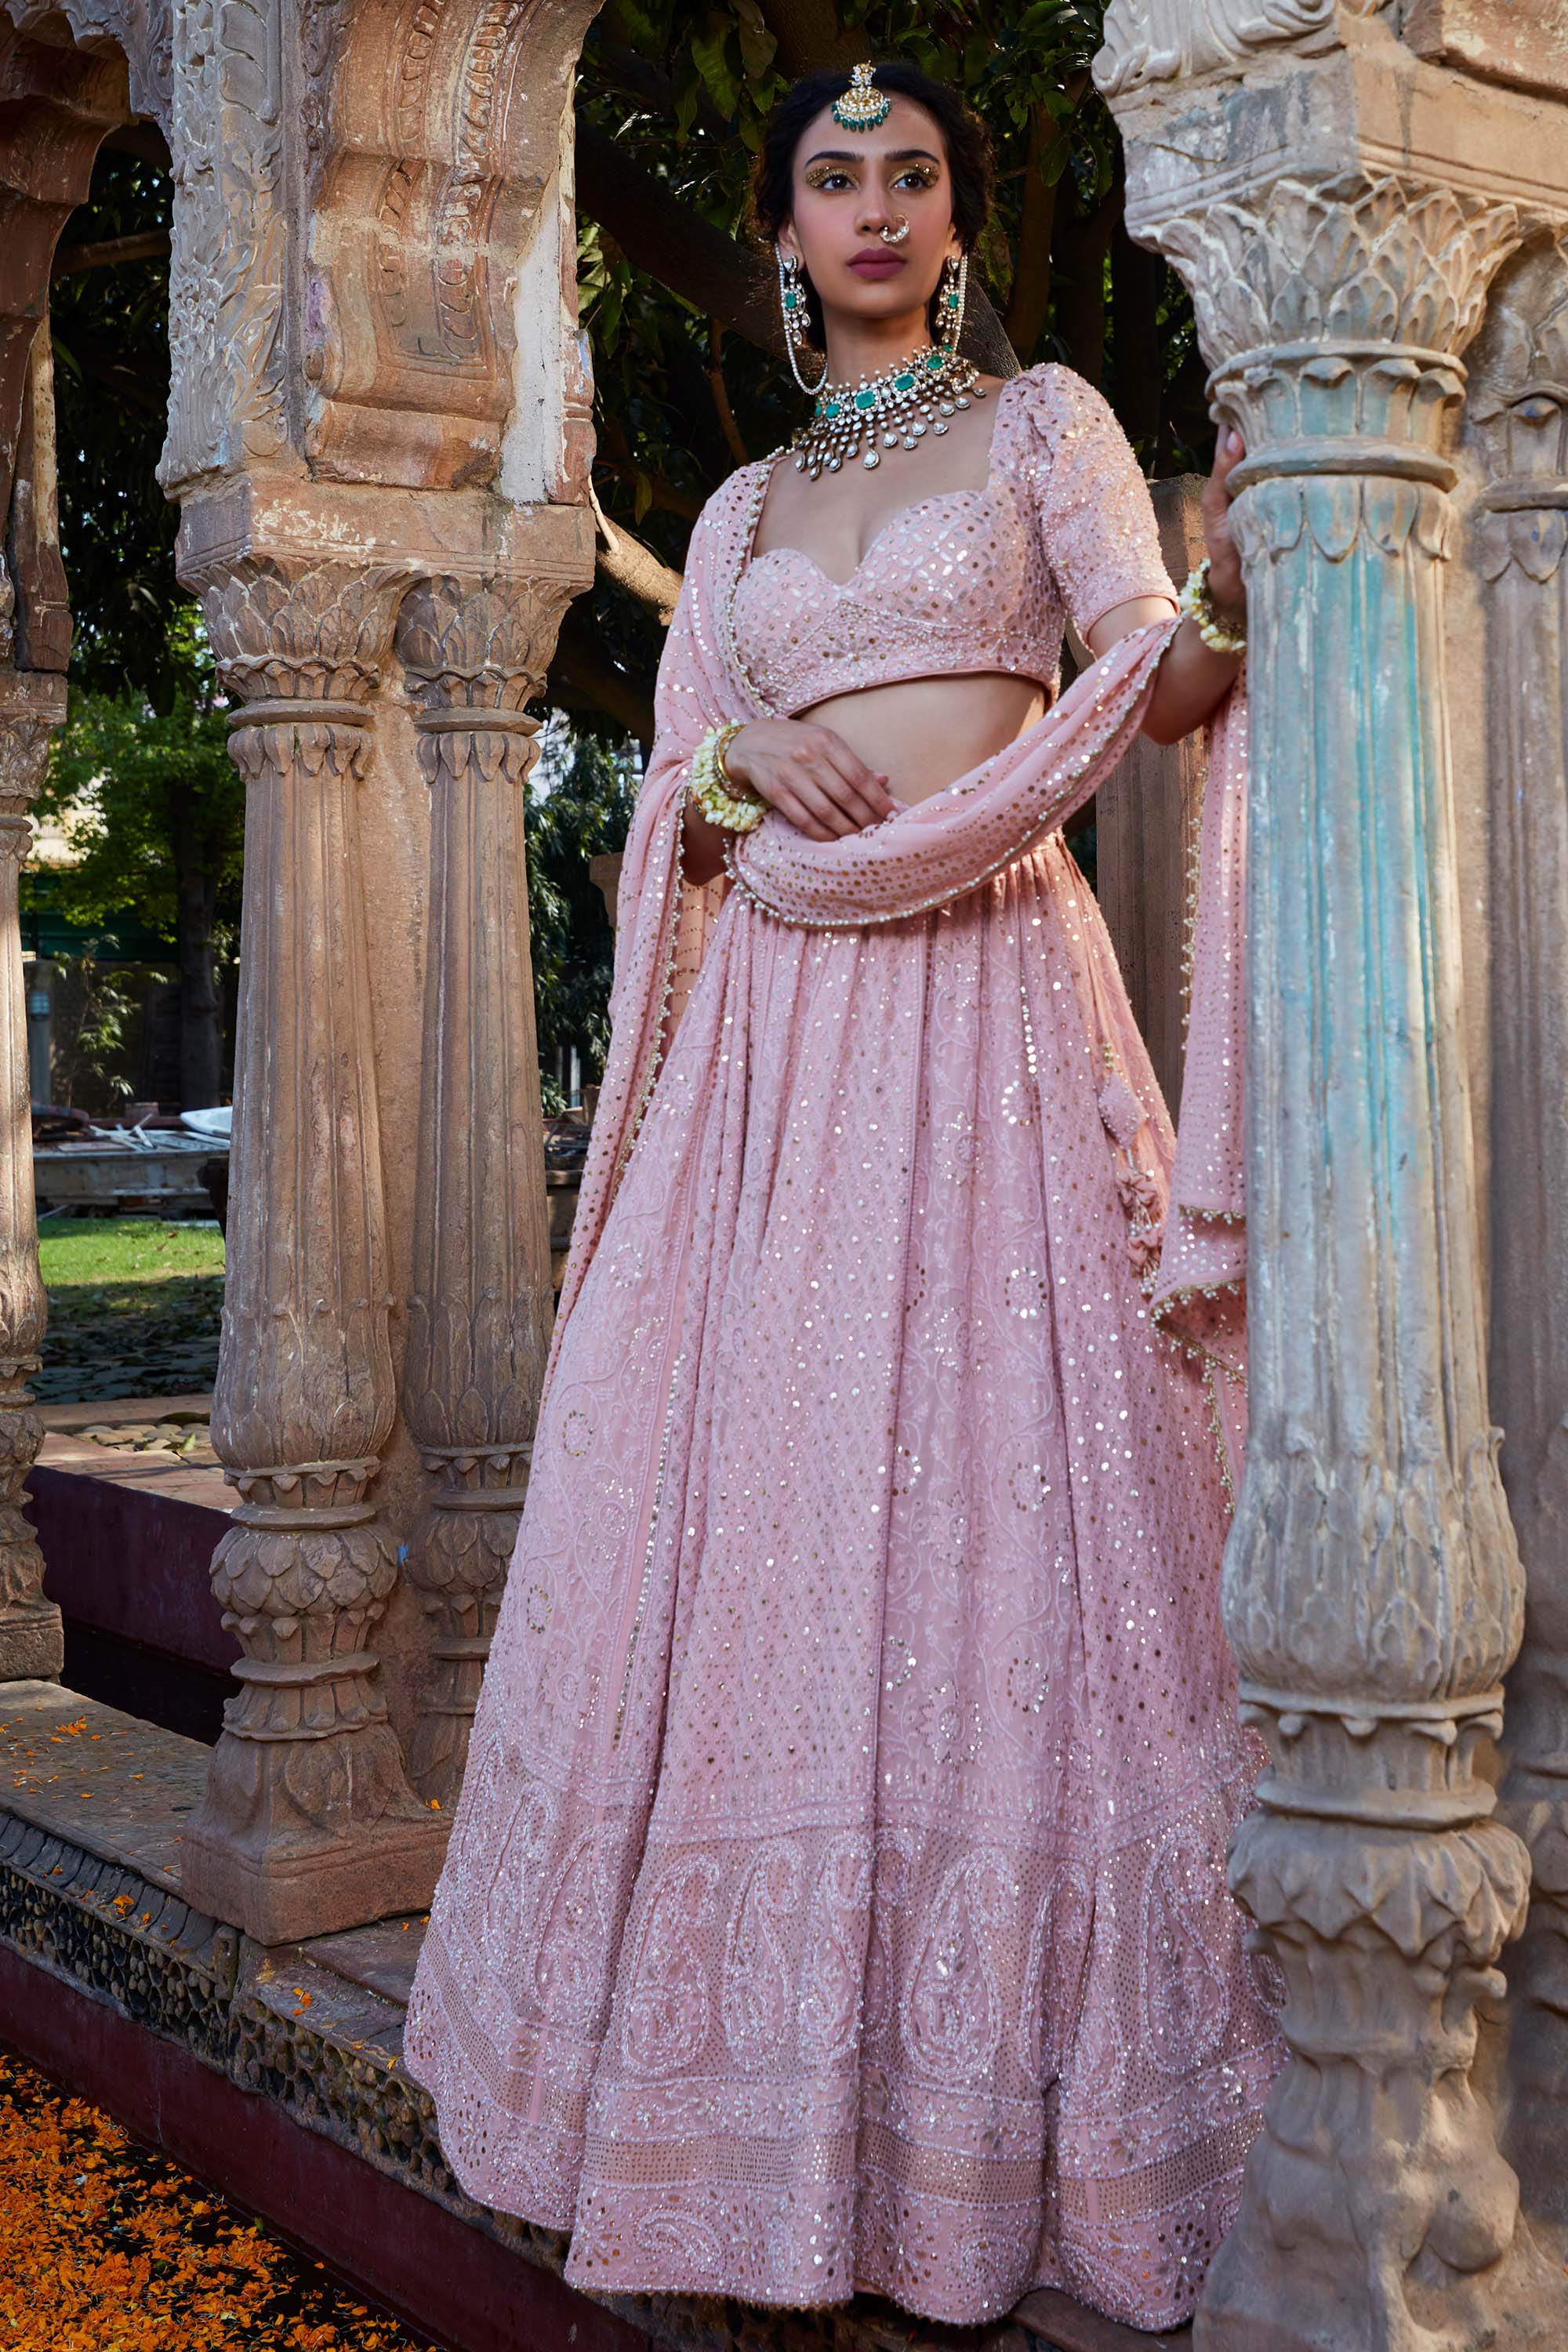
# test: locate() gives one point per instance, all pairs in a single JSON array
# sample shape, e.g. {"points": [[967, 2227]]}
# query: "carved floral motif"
{"points": [[230, 239], [1166, 40]]}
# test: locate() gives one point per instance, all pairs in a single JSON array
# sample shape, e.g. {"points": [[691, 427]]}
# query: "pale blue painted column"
{"points": [[1373, 1591]]}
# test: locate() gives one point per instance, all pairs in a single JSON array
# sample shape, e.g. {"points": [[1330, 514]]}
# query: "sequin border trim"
{"points": [[666, 976]]}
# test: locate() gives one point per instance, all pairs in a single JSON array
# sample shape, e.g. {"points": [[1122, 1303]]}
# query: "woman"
{"points": [[834, 1899]]}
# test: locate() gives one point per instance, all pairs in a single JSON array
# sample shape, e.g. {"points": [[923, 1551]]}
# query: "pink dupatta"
{"points": [[1187, 1207]]}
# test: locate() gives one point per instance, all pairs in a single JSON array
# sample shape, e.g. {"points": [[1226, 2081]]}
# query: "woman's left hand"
{"points": [[1226, 587]]}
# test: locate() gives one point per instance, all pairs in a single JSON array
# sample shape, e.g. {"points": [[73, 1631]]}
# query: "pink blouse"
{"points": [[1063, 528]]}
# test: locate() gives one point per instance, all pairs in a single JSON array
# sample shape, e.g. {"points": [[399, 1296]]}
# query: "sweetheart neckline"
{"points": [[985, 490], [838, 586]]}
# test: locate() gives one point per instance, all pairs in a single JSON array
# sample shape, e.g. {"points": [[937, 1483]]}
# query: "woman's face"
{"points": [[849, 185]]}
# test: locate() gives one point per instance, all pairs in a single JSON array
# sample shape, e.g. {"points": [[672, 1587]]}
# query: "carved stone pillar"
{"points": [[480, 1308], [1373, 1592], [1517, 426], [31, 1640], [308, 1822]]}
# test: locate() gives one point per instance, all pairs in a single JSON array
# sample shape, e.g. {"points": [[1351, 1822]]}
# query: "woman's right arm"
{"points": [[805, 772]]}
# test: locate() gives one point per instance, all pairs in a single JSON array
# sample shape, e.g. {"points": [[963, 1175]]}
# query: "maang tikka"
{"points": [[863, 105]]}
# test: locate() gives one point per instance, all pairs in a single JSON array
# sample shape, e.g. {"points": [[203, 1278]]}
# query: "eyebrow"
{"points": [[849, 155]]}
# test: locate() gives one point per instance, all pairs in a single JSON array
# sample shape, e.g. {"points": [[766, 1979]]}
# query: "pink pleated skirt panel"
{"points": [[835, 1897]]}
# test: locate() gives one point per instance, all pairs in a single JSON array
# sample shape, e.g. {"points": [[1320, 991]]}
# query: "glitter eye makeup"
{"points": [[917, 172]]}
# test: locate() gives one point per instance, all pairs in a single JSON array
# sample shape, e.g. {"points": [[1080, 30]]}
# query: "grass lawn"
{"points": [[135, 1306]]}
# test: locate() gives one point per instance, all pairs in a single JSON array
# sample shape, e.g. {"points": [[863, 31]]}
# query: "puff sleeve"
{"points": [[1096, 515]]}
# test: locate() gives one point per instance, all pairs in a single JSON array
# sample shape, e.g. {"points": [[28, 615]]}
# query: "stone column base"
{"points": [[282, 1898], [32, 1642]]}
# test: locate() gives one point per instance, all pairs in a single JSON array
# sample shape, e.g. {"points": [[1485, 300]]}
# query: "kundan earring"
{"points": [[792, 303], [950, 300]]}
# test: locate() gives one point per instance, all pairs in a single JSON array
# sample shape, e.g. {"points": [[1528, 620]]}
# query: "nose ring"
{"points": [[895, 235]]}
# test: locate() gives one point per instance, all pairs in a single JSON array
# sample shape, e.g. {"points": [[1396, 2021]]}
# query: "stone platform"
{"points": [[127, 1538], [276, 2073]]}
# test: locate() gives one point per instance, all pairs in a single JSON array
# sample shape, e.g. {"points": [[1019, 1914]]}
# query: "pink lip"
{"points": [[876, 264]]}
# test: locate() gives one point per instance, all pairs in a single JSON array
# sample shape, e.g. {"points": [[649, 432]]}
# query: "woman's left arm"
{"points": [[1193, 678]]}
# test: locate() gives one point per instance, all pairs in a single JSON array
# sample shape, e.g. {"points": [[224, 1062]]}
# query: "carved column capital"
{"points": [[475, 651], [479, 643], [282, 628], [1515, 424], [1333, 318], [1363, 260]]}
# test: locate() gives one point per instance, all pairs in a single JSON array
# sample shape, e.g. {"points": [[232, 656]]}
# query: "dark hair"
{"points": [[964, 134]]}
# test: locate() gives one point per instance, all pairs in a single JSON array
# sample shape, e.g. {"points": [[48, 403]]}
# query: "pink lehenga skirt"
{"points": [[836, 1897]]}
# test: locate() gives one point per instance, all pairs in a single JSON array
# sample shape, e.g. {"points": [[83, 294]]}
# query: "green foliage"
{"points": [[138, 793], [578, 806], [111, 385], [91, 1043]]}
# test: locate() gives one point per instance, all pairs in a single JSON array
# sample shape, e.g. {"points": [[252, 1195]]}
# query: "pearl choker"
{"points": [[896, 409]]}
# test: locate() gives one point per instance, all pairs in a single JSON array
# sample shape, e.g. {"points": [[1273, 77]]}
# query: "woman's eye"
{"points": [[917, 177], [828, 180]]}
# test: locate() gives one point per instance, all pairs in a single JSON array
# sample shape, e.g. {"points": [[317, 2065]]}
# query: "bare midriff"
{"points": [[924, 733]]}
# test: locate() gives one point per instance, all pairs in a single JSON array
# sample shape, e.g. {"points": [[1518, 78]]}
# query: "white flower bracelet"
{"points": [[1197, 602], [712, 785]]}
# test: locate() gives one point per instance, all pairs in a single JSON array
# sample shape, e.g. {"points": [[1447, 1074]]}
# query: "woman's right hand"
{"points": [[810, 775]]}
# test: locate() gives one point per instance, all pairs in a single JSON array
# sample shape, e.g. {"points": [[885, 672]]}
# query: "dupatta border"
{"points": [[1121, 700]]}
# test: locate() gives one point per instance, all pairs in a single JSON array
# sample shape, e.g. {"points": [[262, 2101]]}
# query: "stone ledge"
{"points": [[99, 1513], [243, 2041]]}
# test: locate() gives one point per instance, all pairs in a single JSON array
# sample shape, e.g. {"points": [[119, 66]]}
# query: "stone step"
{"points": [[276, 2072]]}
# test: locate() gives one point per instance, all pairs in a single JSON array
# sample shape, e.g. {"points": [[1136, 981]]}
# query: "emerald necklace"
{"points": [[892, 410]]}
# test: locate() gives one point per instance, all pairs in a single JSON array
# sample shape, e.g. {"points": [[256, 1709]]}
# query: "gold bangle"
{"points": [[723, 803]]}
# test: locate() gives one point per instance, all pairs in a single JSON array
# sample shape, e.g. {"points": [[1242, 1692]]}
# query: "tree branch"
{"points": [[663, 495], [673, 244], [582, 673], [810, 35], [1079, 249], [731, 430], [634, 568], [108, 253], [622, 69], [1031, 296]]}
